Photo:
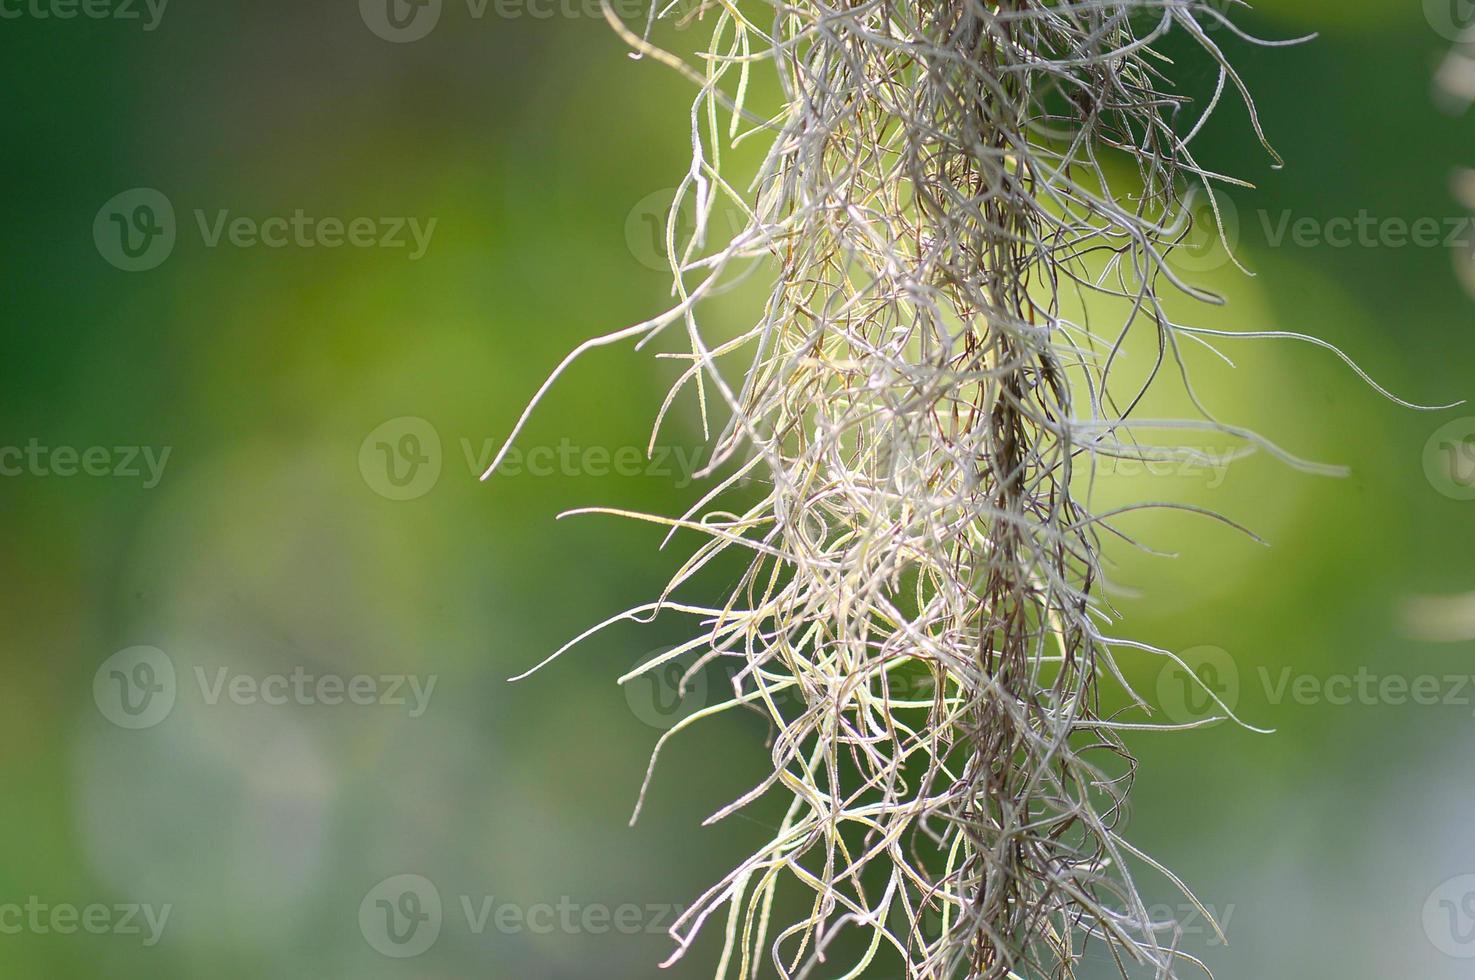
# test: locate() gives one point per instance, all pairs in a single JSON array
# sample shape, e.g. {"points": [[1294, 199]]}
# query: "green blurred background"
{"points": [[271, 543]]}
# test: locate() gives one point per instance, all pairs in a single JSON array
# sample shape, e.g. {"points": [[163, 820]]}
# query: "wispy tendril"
{"points": [[965, 208]]}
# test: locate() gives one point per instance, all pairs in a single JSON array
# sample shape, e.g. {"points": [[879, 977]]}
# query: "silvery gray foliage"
{"points": [[964, 209]]}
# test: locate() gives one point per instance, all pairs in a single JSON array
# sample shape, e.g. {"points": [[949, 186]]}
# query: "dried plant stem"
{"points": [[951, 193]]}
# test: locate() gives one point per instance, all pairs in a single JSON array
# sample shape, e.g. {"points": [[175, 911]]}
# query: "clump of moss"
{"points": [[943, 187]]}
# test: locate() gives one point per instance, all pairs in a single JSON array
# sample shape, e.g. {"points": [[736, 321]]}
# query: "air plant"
{"points": [[965, 208]]}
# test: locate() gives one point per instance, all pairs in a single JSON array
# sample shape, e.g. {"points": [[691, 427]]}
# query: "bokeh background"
{"points": [[274, 539]]}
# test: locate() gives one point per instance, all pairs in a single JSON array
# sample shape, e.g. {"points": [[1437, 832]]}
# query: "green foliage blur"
{"points": [[304, 523]]}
